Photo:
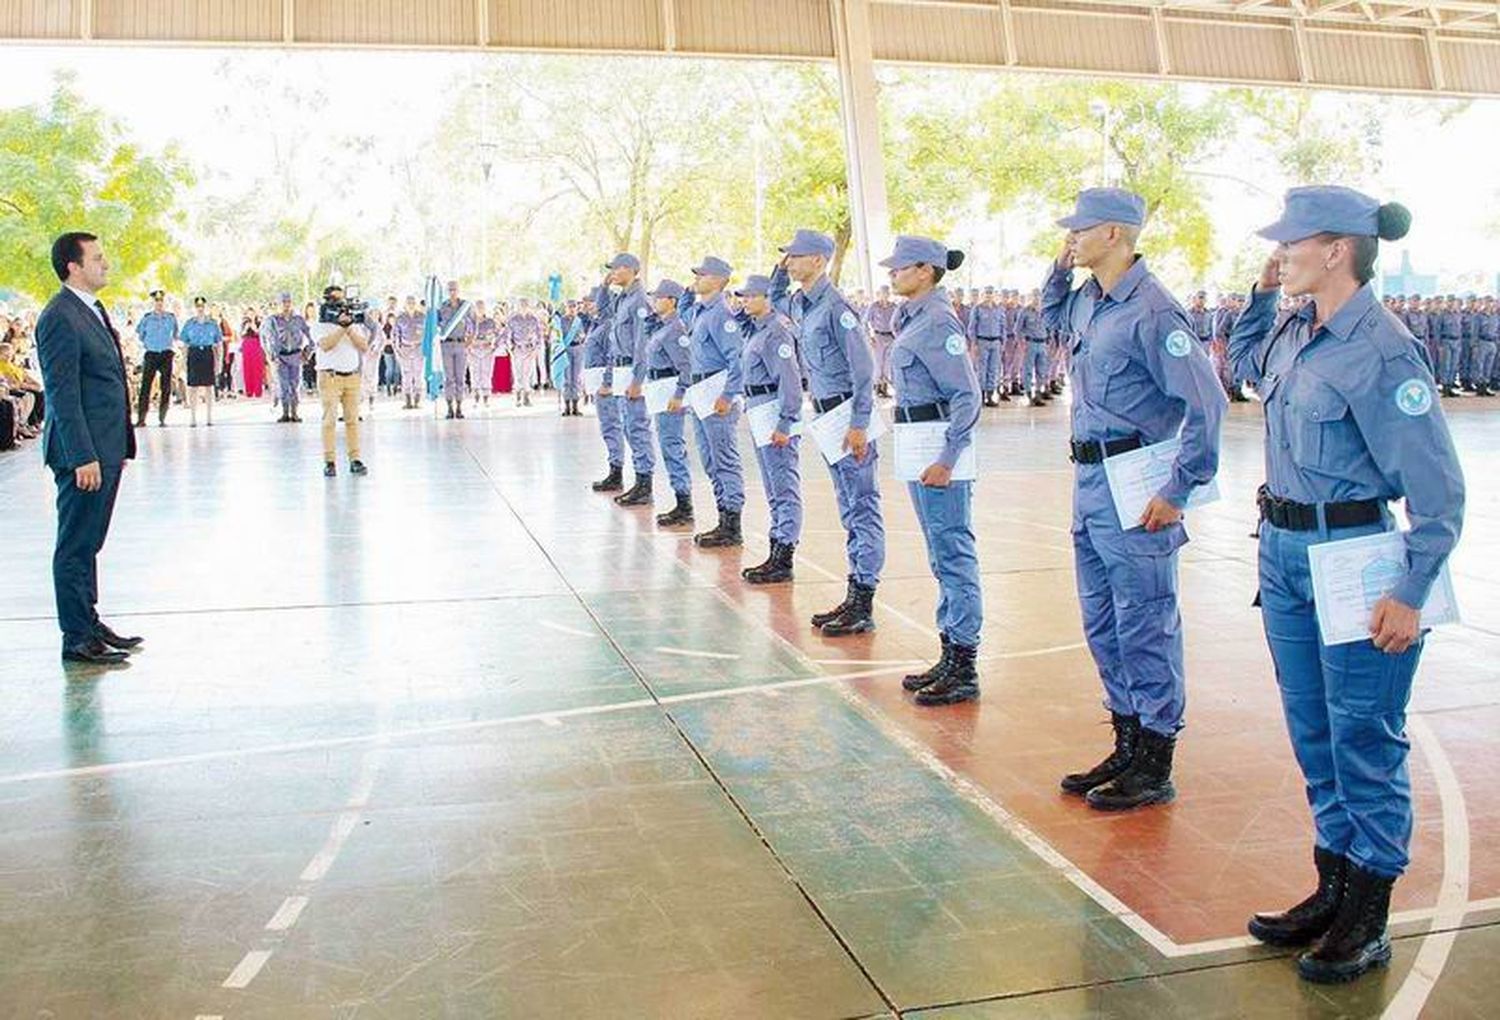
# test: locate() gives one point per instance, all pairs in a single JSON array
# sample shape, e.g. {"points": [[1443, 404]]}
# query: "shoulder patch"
{"points": [[684, 341], [1414, 397], [848, 320], [784, 351], [955, 344], [1179, 343], [730, 326], [641, 313]]}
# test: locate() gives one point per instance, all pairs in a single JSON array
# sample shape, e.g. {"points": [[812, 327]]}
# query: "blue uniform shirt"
{"points": [[1138, 370], [201, 333], [157, 330], [769, 358], [1203, 323], [1416, 321], [834, 346], [627, 334], [1351, 415], [987, 322], [1450, 326], [667, 347], [716, 345], [288, 333], [930, 363], [1489, 326], [1029, 325], [461, 330], [880, 316]]}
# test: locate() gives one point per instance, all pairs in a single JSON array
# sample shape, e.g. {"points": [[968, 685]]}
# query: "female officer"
{"points": [[935, 381], [1352, 423], [667, 356], [771, 372]]}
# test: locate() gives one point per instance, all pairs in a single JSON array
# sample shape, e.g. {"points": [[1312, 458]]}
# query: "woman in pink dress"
{"points": [[252, 355]]}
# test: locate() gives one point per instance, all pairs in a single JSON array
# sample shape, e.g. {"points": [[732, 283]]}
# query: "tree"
{"points": [[65, 166]]}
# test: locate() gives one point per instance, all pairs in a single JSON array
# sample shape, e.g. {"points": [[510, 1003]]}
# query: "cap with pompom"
{"points": [[1331, 209]]}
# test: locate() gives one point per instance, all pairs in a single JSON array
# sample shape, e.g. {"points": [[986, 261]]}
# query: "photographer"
{"points": [[341, 341]]}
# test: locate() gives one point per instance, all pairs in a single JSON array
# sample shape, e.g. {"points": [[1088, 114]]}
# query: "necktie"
{"points": [[99, 306]]}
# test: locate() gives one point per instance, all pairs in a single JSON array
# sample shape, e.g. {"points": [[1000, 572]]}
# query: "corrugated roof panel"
{"points": [[578, 24], [1085, 42], [387, 22], [796, 28], [937, 34], [38, 19], [1470, 66], [189, 20], [1368, 59], [1236, 52]]}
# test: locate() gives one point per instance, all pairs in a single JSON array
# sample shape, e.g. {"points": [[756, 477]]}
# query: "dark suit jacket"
{"points": [[88, 406]]}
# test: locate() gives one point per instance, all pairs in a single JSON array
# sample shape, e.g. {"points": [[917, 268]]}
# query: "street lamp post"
{"points": [[1101, 109]]}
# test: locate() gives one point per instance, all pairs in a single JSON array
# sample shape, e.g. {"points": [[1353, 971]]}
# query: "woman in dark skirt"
{"points": [[202, 337]]}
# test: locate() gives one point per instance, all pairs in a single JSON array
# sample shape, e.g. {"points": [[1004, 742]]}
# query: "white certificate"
{"points": [[828, 430], [702, 396], [593, 378], [658, 393], [1138, 475], [763, 419], [918, 446], [1349, 576]]}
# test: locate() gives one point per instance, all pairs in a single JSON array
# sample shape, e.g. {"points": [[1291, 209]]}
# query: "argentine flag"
{"points": [[432, 353]]}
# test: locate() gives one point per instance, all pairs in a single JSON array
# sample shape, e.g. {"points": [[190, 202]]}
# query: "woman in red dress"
{"points": [[500, 382], [252, 355]]}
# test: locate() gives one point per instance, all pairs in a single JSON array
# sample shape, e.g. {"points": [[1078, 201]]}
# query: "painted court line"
{"points": [[561, 629], [693, 653], [286, 916], [246, 970]]}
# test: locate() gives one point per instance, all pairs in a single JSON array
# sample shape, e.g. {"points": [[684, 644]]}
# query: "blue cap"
{"points": [[1324, 209], [669, 288], [286, 295], [911, 250], [713, 266], [755, 286], [809, 242], [624, 260], [1105, 205]]}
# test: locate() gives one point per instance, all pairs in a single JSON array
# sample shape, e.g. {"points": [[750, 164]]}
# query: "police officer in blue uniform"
{"points": [[716, 346], [772, 372], [599, 313], [987, 333], [1449, 326], [935, 382], [666, 355], [1482, 339], [1139, 376], [840, 367], [1352, 424], [628, 337], [158, 331], [1032, 332]]}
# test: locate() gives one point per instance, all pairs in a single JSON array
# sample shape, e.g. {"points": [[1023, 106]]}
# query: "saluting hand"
{"points": [[1160, 513], [1065, 257], [1270, 275], [1394, 626]]}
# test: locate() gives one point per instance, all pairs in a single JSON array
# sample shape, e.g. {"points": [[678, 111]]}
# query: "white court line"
{"points": [[286, 916], [1453, 894], [693, 653], [245, 971], [561, 629], [1034, 652], [867, 662]]}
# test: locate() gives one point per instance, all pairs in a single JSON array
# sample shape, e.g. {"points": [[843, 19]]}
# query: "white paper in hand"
{"points": [[828, 430], [1138, 475], [763, 419], [702, 396], [659, 393], [918, 445], [593, 378], [1349, 576]]}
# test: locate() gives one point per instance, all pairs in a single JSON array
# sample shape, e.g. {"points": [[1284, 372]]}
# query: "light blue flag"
{"points": [[560, 356], [432, 356]]}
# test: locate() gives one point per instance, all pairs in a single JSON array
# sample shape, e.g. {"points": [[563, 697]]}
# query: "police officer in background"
{"points": [[715, 345], [1482, 337], [1450, 333], [287, 334], [1352, 424], [1139, 376], [771, 371], [158, 331], [880, 317], [598, 313], [935, 382], [628, 337], [455, 324], [840, 368], [666, 355], [1034, 360], [987, 332], [409, 326], [482, 353]]}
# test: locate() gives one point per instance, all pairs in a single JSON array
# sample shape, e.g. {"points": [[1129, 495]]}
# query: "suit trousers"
{"points": [[82, 525]]}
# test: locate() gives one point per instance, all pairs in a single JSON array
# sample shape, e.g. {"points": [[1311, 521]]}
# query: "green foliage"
{"points": [[65, 166]]}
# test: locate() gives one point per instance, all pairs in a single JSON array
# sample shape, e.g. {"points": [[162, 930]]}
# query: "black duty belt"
{"points": [[660, 373], [922, 412], [760, 391], [623, 362], [1289, 515], [1093, 451], [829, 403], [698, 377], [991, 338]]}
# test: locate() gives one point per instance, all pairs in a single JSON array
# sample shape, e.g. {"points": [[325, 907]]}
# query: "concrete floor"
{"points": [[464, 739]]}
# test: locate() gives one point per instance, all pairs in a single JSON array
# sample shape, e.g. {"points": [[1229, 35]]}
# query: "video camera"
{"points": [[342, 307]]}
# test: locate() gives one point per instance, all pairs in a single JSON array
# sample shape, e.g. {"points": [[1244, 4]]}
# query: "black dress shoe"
{"points": [[93, 653], [357, 467], [108, 637], [330, 470]]}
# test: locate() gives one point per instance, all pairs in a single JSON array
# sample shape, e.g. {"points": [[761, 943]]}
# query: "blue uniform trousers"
{"points": [[1481, 360], [673, 442], [719, 449], [638, 435], [1035, 364], [989, 364], [947, 525], [82, 525], [288, 378], [780, 473], [455, 364], [1127, 590], [1345, 710], [858, 493], [611, 427], [1450, 353]]}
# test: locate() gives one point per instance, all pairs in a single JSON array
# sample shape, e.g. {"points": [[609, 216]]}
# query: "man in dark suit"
{"points": [[86, 441]]}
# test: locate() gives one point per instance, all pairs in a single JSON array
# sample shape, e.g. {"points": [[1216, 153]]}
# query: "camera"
{"points": [[341, 308]]}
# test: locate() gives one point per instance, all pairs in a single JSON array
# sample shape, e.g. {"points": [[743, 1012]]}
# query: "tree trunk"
{"points": [[842, 234]]}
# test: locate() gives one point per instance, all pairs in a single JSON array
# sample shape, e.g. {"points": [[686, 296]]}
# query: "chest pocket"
{"points": [[1320, 430], [903, 365], [1107, 374]]}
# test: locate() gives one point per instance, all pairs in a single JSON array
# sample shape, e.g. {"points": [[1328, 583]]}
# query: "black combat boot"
{"points": [[725, 535], [1148, 780], [858, 618], [819, 619], [1356, 942], [959, 683], [1312, 917], [752, 573], [682, 513], [639, 494], [458, 409], [1127, 732], [612, 482], [1056, 387], [917, 681], [776, 569], [1002, 396]]}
